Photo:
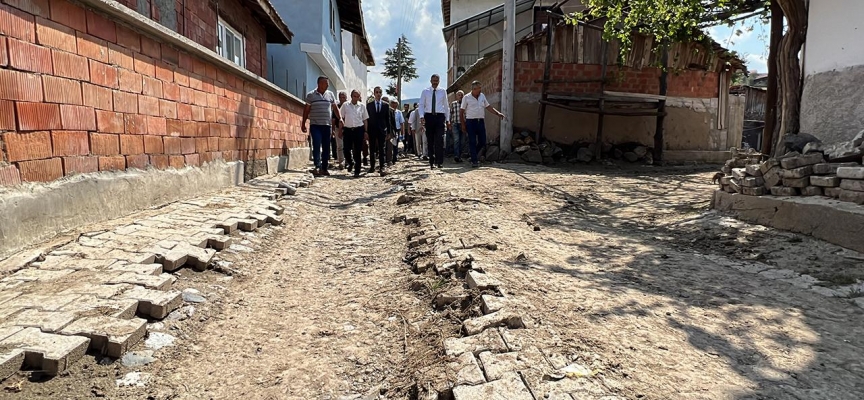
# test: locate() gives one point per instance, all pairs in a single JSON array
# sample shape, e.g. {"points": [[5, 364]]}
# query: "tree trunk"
{"points": [[768, 133], [789, 68]]}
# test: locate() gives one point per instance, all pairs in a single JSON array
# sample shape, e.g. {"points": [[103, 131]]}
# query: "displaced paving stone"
{"points": [[46, 321], [509, 387], [825, 181], [247, 224], [109, 336], [154, 303], [506, 318], [852, 184], [20, 260], [796, 182], [488, 340], [481, 281], [784, 191], [229, 226], [491, 304], [811, 191], [91, 306], [465, 371], [831, 169], [454, 297], [801, 161], [850, 172], [50, 353], [156, 282]]}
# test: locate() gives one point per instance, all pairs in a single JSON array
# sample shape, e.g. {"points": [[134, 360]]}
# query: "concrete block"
{"points": [[768, 165], [454, 297], [490, 304], [800, 161], [852, 184], [753, 170], [297, 159], [481, 281], [784, 191], [753, 191], [509, 387], [247, 224], [50, 353], [739, 173], [850, 172], [497, 366], [825, 181], [831, 168], [229, 226], [488, 340], [833, 192], [505, 317], [37, 275], [46, 321], [44, 302], [772, 177], [811, 191], [797, 172], [797, 182], [852, 196], [156, 282], [752, 182], [145, 269], [109, 336], [155, 303], [88, 306], [465, 370]]}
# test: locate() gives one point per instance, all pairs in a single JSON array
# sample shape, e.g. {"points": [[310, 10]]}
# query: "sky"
{"points": [[421, 22]]}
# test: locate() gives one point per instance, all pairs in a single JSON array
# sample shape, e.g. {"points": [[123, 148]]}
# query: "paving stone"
{"points": [[20, 260], [752, 182], [497, 366], [753, 191], [154, 303], [509, 387], [109, 336], [44, 302], [145, 269], [811, 191], [754, 170], [272, 217], [772, 177], [219, 242], [850, 172], [852, 196], [8, 295], [797, 172], [831, 169], [260, 218], [796, 182], [579, 388], [488, 340], [50, 353], [34, 275], [784, 191], [247, 225], [97, 290], [801, 161], [825, 181], [135, 258], [199, 258], [456, 298], [446, 268], [46, 321], [156, 282], [506, 318], [833, 192], [91, 306], [173, 259], [465, 371], [852, 184], [779, 274], [166, 244], [481, 281], [490, 304]]}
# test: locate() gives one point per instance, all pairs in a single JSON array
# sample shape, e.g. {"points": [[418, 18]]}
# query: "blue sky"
{"points": [[421, 22]]}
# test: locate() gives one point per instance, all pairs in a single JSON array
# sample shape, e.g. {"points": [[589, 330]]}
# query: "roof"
{"points": [[483, 19], [351, 20], [445, 11], [276, 29]]}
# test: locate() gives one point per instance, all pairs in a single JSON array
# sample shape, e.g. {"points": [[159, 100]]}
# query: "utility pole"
{"points": [[509, 50], [399, 78]]}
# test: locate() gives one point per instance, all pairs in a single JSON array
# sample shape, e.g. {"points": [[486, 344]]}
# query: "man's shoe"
{"points": [[371, 170], [440, 166], [382, 173], [324, 172], [457, 159], [316, 172], [475, 165], [357, 174]]}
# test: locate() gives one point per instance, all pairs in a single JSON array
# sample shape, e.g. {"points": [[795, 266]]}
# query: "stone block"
{"points": [[480, 281], [736, 187], [465, 370], [490, 304], [509, 387], [156, 282], [772, 177], [46, 321], [154, 303], [725, 180], [784, 191], [90, 306], [768, 165], [754, 170], [229, 226], [247, 224], [456, 298], [803, 160], [50, 353], [797, 172], [811, 191], [752, 182], [145, 269], [44, 302], [488, 340], [797, 182], [109, 336], [852, 184], [505, 317], [297, 159], [497, 366], [852, 196], [739, 173], [830, 168], [753, 191], [833, 192], [825, 181], [37, 275]]}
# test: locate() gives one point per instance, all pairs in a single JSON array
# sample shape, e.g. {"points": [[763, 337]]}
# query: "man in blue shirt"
{"points": [[320, 109]]}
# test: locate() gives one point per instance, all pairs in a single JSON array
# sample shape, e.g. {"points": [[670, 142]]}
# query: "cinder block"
{"points": [[796, 182], [803, 160], [481, 281], [797, 173], [109, 336], [155, 303], [50, 353]]}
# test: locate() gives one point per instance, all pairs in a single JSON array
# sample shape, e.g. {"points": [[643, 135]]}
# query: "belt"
{"points": [[433, 113], [474, 119], [353, 127]]}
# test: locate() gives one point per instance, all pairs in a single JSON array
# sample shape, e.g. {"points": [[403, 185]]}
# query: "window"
{"points": [[332, 18], [231, 44]]}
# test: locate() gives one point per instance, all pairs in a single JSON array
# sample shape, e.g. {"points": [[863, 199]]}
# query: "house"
{"points": [[833, 68], [330, 40], [701, 120]]}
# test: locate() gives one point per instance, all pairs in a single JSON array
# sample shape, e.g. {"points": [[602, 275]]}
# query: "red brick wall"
{"points": [[80, 93], [689, 83]]}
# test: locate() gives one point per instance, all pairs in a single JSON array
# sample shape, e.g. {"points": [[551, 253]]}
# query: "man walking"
{"points": [[399, 120], [379, 125], [356, 118], [473, 108], [409, 137], [342, 154], [456, 126], [320, 107], [418, 131], [435, 114]]}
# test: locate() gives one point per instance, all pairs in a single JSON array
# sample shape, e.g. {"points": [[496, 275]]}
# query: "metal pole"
{"points": [[509, 58]]}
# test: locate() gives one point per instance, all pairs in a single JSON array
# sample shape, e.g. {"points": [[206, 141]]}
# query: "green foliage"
{"points": [[400, 57], [391, 89]]}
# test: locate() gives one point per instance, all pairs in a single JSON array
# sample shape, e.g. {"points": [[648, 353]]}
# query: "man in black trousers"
{"points": [[435, 115], [379, 125]]}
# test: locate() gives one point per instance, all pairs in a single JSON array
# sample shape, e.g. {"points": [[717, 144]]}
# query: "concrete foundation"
{"points": [[831, 104], [833, 221], [297, 159], [33, 213]]}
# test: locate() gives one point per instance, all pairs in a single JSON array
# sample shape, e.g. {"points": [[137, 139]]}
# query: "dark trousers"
{"points": [[409, 144], [346, 151], [320, 145], [435, 137], [353, 146], [377, 149], [476, 137]]}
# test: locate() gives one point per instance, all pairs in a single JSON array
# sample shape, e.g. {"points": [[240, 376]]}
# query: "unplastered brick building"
{"points": [[97, 85]]}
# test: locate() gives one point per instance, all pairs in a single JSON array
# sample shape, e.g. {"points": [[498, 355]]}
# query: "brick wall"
{"points": [[80, 93]]}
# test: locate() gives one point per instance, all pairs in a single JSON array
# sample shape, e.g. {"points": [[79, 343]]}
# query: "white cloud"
{"points": [[757, 62]]}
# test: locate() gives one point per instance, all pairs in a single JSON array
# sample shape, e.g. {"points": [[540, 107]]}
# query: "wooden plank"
{"points": [[580, 44], [635, 95]]}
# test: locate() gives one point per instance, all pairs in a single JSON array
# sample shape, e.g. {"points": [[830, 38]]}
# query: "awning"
{"points": [[486, 19], [325, 60]]}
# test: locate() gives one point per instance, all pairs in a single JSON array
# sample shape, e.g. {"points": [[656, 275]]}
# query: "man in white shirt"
{"points": [[356, 119], [434, 115], [419, 133], [399, 119], [473, 113], [342, 153], [456, 126]]}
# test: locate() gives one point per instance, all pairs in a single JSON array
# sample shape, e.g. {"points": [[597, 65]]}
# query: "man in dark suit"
{"points": [[380, 123]]}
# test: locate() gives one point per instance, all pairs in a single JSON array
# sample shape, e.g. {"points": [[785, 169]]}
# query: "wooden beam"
{"points": [[636, 95], [596, 110], [661, 105], [547, 74]]}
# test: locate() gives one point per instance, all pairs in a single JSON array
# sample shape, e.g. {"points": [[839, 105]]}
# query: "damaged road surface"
{"points": [[502, 282]]}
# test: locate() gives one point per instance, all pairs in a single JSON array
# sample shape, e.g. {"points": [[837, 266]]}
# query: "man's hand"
{"points": [[422, 121], [464, 128], [303, 127]]}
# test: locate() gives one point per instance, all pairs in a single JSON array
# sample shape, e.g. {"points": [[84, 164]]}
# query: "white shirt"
{"points": [[400, 119], [475, 108], [414, 120], [441, 104], [354, 114]]}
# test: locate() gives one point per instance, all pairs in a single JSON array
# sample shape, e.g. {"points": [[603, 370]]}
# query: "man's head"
{"points": [[385, 100], [459, 95], [416, 105], [323, 83], [476, 86], [377, 93], [406, 107], [394, 105], [355, 96], [342, 97], [435, 81]]}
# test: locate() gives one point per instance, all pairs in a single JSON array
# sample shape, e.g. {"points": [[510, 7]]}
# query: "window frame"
{"points": [[224, 27], [332, 18]]}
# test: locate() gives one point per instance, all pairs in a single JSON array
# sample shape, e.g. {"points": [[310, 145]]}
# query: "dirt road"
{"points": [[624, 271]]}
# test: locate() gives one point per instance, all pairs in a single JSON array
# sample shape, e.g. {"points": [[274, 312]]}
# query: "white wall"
{"points": [[462, 9], [834, 36], [354, 70]]}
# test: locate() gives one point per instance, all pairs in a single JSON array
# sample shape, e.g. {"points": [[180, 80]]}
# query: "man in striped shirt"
{"points": [[320, 109]]}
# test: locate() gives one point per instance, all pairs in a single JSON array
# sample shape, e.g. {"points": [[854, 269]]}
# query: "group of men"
{"points": [[375, 129]]}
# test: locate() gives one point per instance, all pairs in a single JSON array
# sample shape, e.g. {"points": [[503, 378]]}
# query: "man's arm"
{"points": [[462, 119], [305, 117], [494, 111]]}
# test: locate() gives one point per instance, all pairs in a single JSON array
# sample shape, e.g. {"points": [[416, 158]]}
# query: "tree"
{"points": [[391, 90], [682, 20], [399, 66]]}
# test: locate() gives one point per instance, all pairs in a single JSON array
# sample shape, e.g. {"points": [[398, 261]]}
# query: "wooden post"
{"points": [[598, 144], [508, 63], [661, 104], [771, 95], [547, 75]]}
